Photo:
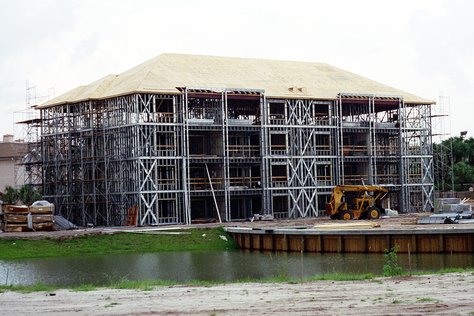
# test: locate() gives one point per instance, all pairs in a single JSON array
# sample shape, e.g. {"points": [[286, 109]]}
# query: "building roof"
{"points": [[14, 150], [280, 79]]}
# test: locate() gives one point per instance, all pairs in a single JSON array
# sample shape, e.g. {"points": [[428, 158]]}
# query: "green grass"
{"points": [[426, 300], [325, 277], [343, 277], [198, 239], [84, 288], [112, 304], [443, 271], [147, 285]]}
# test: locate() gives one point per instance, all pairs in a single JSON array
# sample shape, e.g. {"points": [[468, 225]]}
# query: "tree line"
{"points": [[454, 164]]}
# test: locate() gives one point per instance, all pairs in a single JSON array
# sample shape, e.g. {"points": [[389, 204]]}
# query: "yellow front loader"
{"points": [[356, 202]]}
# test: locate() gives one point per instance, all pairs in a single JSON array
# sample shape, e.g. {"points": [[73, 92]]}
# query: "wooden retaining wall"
{"points": [[370, 241]]}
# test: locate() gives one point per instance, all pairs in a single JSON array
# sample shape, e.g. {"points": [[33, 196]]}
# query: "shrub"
{"points": [[28, 194], [10, 196], [391, 266]]}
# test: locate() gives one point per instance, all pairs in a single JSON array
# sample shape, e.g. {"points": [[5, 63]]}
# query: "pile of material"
{"points": [[259, 217], [60, 223], [451, 205], [450, 211], [24, 218], [351, 225]]}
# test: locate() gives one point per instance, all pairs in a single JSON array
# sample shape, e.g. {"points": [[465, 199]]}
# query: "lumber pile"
{"points": [[351, 225], [24, 218]]}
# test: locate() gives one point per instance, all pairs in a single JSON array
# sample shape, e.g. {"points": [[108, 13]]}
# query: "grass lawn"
{"points": [[193, 239]]}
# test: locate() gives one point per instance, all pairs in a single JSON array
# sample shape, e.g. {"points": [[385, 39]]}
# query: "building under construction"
{"points": [[183, 138]]}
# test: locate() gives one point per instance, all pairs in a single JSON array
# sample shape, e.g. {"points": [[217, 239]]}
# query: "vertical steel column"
{"points": [[83, 198], [375, 155], [427, 160], [340, 141], [106, 166], [185, 153], [139, 179], [264, 150], [404, 204], [177, 154], [226, 156], [373, 141], [123, 157], [93, 164]]}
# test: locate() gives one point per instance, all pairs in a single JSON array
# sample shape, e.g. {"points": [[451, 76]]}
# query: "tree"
{"points": [[461, 162], [28, 194], [463, 173], [470, 150], [460, 149], [10, 196]]}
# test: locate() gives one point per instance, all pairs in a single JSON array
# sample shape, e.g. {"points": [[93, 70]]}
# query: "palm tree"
{"points": [[28, 194], [10, 196]]}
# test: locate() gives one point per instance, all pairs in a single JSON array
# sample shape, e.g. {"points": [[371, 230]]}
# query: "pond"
{"points": [[207, 265]]}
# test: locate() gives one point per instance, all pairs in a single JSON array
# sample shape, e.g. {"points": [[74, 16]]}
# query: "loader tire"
{"points": [[373, 212], [345, 215]]}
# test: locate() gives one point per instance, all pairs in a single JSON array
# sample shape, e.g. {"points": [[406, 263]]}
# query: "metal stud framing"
{"points": [[186, 156]]}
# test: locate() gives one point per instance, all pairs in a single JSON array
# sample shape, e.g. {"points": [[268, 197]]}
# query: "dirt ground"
{"points": [[404, 221], [448, 294]]}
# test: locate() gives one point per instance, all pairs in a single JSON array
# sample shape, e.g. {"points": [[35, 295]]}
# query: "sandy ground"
{"points": [[449, 294]]}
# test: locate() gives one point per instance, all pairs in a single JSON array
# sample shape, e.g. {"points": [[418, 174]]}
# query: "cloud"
{"points": [[418, 46], [84, 49], [443, 44], [27, 24]]}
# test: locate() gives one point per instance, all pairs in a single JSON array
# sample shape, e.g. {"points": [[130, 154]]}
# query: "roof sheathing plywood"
{"points": [[279, 79]]}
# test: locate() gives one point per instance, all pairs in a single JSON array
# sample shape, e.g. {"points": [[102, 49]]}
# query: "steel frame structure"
{"points": [[228, 154], [29, 125]]}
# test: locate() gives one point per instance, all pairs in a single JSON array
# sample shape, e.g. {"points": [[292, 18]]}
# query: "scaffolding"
{"points": [[226, 154], [443, 151], [27, 129]]}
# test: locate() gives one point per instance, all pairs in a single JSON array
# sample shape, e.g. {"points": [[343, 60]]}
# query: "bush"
{"points": [[391, 267], [10, 196], [28, 194]]}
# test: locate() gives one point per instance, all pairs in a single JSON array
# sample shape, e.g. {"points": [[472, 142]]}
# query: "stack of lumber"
{"points": [[24, 218], [351, 225]]}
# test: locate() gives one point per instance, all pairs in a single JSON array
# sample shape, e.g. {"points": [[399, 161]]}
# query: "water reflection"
{"points": [[207, 265]]}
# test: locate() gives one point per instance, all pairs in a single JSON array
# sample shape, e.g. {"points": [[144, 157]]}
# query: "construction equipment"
{"points": [[356, 202]]}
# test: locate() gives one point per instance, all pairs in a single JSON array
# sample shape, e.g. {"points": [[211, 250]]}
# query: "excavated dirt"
{"points": [[448, 294]]}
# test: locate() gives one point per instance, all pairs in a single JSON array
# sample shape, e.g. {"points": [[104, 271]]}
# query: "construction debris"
{"points": [[435, 220], [450, 211], [63, 224], [258, 217], [390, 212], [443, 205]]}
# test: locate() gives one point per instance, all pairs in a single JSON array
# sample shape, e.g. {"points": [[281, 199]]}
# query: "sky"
{"points": [[423, 47]]}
